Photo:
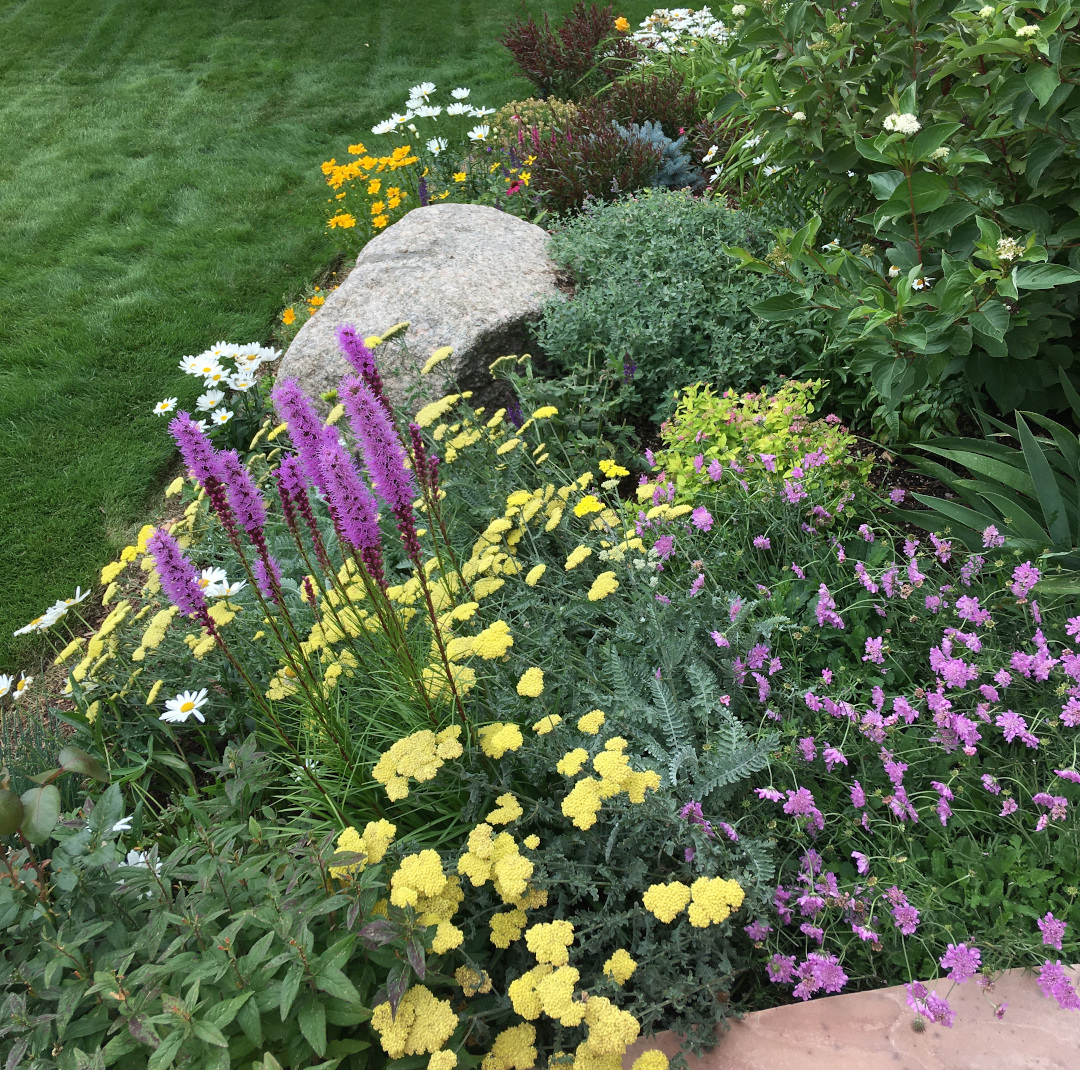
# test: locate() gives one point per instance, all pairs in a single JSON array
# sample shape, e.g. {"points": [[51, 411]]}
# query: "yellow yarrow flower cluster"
{"points": [[532, 577], [508, 809], [547, 724], [589, 504], [620, 967], [497, 739], [603, 585], [546, 989], [613, 470], [417, 757], [666, 901], [586, 797], [473, 983], [576, 557], [651, 1060], [591, 723], [497, 859], [713, 900], [550, 941], [514, 1049], [377, 837], [610, 1032], [419, 875], [531, 684], [422, 1025], [507, 926]]}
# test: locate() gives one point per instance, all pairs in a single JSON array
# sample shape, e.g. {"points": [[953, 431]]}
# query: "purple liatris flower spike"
{"points": [[196, 449], [179, 578], [305, 427], [363, 360], [244, 497], [267, 577], [352, 505], [383, 452]]}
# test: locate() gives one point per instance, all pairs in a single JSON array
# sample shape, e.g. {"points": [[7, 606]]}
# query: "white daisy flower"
{"points": [[923, 283], [211, 579], [458, 109], [479, 132], [759, 159], [123, 825], [22, 687], [234, 588], [414, 103], [220, 376], [241, 382], [5, 683], [893, 271], [220, 417], [222, 350], [140, 860], [206, 366], [708, 157], [267, 353], [42, 623], [424, 89], [185, 705], [428, 111], [387, 126], [479, 113], [191, 365], [831, 247], [436, 145], [399, 119], [411, 127], [208, 400], [202, 425], [162, 407], [770, 170], [64, 604], [459, 93]]}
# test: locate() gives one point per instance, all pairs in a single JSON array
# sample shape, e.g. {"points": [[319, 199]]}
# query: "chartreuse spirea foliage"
{"points": [[937, 140], [760, 437]]}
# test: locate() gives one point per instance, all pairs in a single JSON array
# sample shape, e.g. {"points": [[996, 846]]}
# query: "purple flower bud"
{"points": [[179, 578], [305, 427], [196, 449], [244, 497]]}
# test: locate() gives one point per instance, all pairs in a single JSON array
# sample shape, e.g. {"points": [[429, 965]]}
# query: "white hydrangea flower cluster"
{"points": [[905, 124], [678, 29]]}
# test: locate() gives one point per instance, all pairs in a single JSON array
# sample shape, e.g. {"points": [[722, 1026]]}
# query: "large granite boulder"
{"points": [[462, 275]]}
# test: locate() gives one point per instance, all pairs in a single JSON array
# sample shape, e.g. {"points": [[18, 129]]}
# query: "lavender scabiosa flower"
{"points": [[352, 505], [1053, 930], [179, 578], [961, 961], [305, 427]]}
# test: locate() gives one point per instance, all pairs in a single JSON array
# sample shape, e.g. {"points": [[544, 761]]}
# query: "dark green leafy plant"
{"points": [[655, 311], [1029, 494], [936, 140]]}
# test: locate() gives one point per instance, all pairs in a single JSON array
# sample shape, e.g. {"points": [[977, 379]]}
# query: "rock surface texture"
{"points": [[872, 1031], [463, 275]]}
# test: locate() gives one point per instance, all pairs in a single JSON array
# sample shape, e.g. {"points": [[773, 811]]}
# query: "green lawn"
{"points": [[159, 191]]}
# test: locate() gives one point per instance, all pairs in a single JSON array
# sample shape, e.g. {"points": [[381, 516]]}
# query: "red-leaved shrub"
{"points": [[576, 59]]}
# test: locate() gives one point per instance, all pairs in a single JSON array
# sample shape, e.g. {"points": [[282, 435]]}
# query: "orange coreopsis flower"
{"points": [[288, 316], [622, 24]]}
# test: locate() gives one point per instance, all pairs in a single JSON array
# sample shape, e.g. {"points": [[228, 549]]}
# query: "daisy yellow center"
{"points": [[187, 707]]}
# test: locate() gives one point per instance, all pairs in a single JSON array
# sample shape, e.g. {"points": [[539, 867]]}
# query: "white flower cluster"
{"points": [[419, 106], [216, 376], [1026, 31], [678, 29], [905, 124], [57, 611]]}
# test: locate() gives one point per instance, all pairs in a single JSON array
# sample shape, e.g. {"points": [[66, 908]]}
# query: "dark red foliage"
{"points": [[576, 59], [590, 160], [668, 101]]}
